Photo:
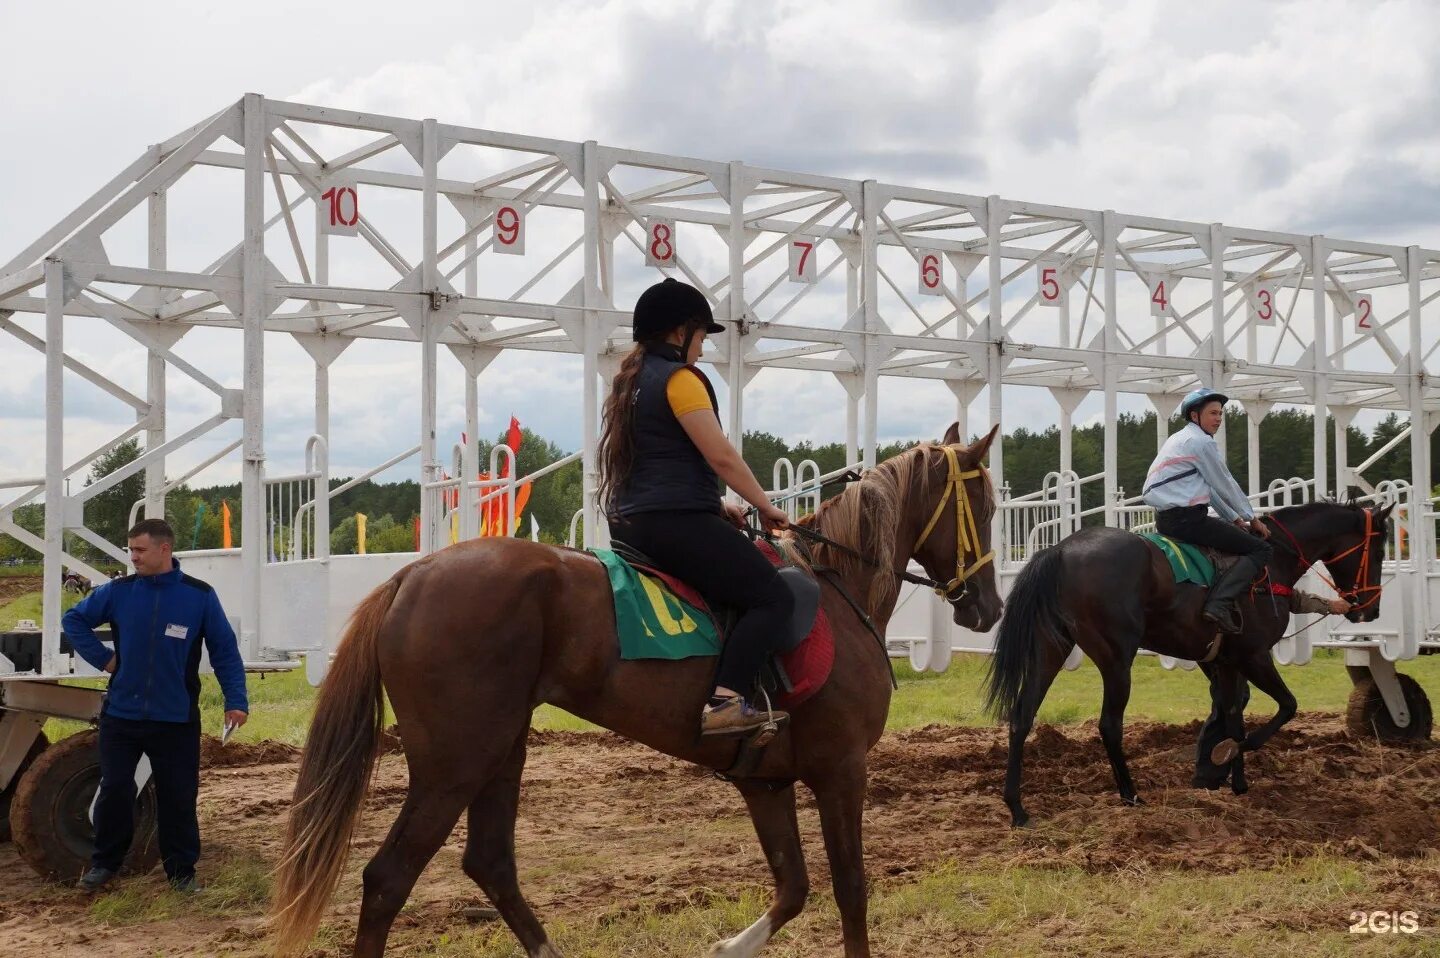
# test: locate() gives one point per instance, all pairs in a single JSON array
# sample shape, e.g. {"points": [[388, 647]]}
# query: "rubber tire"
{"points": [[50, 812], [1367, 717], [8, 793]]}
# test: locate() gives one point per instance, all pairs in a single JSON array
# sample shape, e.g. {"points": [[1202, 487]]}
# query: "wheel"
{"points": [[8, 792], [1368, 717], [50, 814]]}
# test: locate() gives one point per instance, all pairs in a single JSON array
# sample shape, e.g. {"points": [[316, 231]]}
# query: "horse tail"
{"points": [[335, 771], [1032, 615]]}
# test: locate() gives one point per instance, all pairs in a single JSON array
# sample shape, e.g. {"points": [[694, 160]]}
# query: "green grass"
{"points": [[239, 883], [27, 606], [1300, 909], [15, 571]]}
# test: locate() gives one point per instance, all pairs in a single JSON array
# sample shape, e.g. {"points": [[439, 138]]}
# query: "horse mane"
{"points": [[860, 517], [1306, 509]]}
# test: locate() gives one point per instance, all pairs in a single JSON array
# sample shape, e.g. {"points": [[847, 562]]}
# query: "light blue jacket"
{"points": [[1190, 472]]}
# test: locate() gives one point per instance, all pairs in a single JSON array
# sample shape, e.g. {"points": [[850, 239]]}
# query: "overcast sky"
{"points": [[1313, 117]]}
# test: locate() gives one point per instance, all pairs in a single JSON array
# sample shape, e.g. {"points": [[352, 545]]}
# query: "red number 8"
{"points": [[660, 240]]}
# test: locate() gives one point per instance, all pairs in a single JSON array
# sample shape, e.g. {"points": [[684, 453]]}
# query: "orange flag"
{"points": [[225, 540]]}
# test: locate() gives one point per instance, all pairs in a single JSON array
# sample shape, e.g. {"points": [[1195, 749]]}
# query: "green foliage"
{"points": [[108, 514]]}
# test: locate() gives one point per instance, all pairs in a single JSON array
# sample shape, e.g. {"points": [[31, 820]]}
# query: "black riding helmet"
{"points": [[668, 305]]}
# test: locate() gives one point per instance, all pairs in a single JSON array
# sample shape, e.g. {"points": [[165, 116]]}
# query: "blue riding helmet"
{"points": [[1199, 398]]}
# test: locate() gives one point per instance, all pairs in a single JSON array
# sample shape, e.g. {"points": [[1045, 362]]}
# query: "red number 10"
{"points": [[337, 196]]}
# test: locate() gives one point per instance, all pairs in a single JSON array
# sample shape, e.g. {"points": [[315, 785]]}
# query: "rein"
{"points": [[1362, 575], [967, 537]]}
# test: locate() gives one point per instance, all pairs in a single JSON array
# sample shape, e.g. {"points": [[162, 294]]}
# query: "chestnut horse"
{"points": [[1112, 593], [468, 641]]}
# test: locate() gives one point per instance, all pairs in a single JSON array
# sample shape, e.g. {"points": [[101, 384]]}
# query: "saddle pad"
{"points": [[653, 611], [1187, 562]]}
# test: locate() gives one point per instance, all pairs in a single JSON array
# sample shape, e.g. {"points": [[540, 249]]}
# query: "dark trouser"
{"points": [[174, 752], [1192, 524], [707, 552]]}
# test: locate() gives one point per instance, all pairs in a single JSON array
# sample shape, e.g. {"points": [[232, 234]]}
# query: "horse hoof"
{"points": [[1133, 800], [1225, 752], [1239, 788], [1210, 785], [1020, 821]]}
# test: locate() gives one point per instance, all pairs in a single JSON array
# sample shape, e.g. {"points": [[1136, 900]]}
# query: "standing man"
{"points": [[158, 618], [1186, 480]]}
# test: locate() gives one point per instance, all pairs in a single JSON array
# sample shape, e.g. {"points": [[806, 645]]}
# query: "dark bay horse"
{"points": [[468, 641], [1112, 593]]}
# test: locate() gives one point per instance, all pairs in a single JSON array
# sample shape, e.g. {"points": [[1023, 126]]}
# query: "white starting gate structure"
{"points": [[339, 226]]}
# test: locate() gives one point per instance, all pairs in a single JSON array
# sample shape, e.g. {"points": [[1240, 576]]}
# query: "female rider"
{"points": [[662, 455]]}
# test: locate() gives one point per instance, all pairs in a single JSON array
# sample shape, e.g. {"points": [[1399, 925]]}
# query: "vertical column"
{"points": [[55, 500], [851, 383], [995, 217], [739, 189], [470, 455], [1321, 391], [252, 321], [1109, 238], [590, 348], [429, 336], [155, 375], [869, 291], [1218, 376], [1343, 416], [1421, 529]]}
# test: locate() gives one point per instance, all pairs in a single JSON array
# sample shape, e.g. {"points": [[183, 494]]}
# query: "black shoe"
{"points": [[95, 879], [1224, 620], [187, 885]]}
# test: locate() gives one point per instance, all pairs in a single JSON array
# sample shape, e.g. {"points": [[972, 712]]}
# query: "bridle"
{"points": [[967, 536], [1362, 575]]}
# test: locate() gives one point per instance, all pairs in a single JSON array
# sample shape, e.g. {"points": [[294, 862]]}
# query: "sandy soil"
{"points": [[607, 827]]}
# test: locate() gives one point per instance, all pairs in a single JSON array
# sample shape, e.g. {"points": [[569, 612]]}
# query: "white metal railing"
{"points": [[797, 489], [171, 484], [456, 507], [297, 509], [322, 528]]}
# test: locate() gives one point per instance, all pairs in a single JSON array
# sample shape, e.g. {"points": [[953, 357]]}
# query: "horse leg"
{"points": [[425, 821], [1228, 695], [773, 812], [490, 853], [441, 786], [1115, 674], [1022, 721], [1260, 669], [841, 800]]}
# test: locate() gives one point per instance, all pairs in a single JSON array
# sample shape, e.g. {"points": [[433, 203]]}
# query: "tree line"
{"points": [[391, 508]]}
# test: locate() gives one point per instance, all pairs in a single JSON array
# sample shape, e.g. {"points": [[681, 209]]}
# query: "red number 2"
{"points": [[1362, 319]]}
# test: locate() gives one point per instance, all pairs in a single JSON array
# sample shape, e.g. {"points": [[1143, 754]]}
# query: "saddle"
{"points": [[1201, 565], [802, 656]]}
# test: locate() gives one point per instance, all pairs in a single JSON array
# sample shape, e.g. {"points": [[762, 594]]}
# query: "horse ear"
{"points": [[1384, 514], [981, 447], [952, 435]]}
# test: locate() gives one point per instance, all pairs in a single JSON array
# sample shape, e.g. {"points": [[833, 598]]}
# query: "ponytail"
{"points": [[616, 453]]}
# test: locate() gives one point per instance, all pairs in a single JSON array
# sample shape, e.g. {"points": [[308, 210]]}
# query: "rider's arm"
{"points": [[704, 431], [1223, 487], [1304, 603]]}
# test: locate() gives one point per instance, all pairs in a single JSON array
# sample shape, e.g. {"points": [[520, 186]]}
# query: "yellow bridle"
{"points": [[967, 538]]}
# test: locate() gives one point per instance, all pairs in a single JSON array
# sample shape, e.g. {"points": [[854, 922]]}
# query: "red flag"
{"points": [[512, 439]]}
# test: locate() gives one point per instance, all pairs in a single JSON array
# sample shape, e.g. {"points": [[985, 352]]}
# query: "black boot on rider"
{"points": [[1220, 607]]}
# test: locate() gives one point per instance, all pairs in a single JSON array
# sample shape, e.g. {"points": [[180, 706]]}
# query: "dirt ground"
{"points": [[607, 826], [14, 586]]}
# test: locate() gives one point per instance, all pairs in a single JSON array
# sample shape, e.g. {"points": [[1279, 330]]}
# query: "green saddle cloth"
{"points": [[653, 622], [1187, 561]]}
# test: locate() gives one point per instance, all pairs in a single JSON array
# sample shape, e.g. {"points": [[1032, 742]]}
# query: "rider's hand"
{"points": [[772, 517], [1340, 606], [1259, 528], [735, 513], [236, 717]]}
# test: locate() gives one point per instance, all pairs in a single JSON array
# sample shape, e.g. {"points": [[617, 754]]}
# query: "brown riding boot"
{"points": [[734, 716]]}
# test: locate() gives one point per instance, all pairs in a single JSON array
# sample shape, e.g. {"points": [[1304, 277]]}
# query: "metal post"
{"points": [[55, 504], [1321, 398], [739, 188], [155, 376], [1111, 346], [995, 216], [590, 348], [1421, 528], [869, 291], [429, 334], [1218, 377], [252, 320]]}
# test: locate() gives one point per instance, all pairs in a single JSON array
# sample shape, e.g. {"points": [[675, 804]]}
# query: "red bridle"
{"points": [[1362, 575]]}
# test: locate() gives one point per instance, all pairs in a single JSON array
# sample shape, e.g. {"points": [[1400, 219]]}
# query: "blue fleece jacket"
{"points": [[158, 623]]}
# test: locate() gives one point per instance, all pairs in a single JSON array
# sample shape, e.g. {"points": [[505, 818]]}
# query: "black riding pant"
{"points": [[707, 552], [1194, 525], [174, 752]]}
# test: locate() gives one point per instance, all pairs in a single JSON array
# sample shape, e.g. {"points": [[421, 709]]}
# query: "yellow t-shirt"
{"points": [[686, 393]]}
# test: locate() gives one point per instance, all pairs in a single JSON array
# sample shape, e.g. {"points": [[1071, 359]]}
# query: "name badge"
{"points": [[176, 631]]}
